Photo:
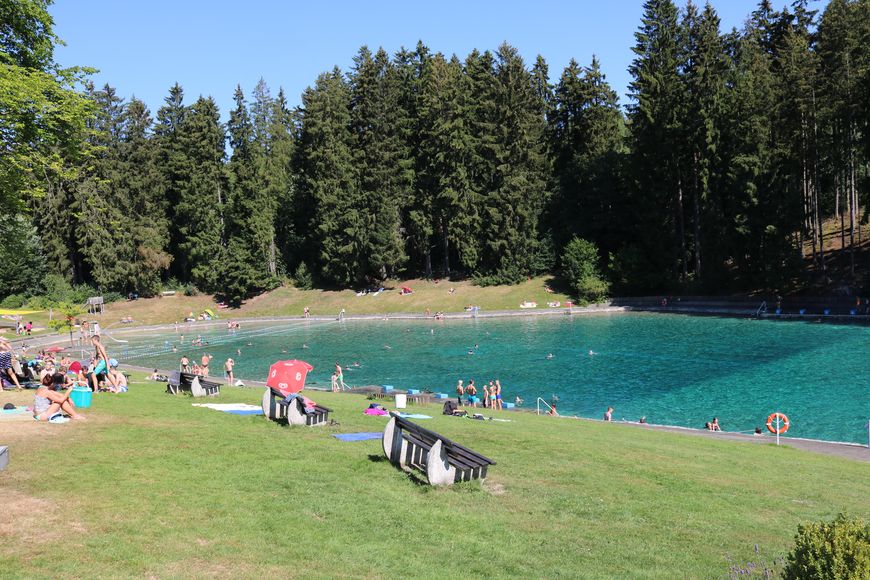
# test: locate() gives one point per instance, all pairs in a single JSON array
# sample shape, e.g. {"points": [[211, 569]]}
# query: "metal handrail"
{"points": [[546, 404]]}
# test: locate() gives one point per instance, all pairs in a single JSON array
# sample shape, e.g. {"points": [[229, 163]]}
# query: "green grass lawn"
{"points": [[151, 486]]}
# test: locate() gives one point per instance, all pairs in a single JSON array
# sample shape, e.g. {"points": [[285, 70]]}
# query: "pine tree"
{"points": [[199, 213], [329, 180], [378, 152], [586, 134], [173, 163], [103, 231], [657, 196], [145, 187], [512, 208], [249, 212], [703, 75], [410, 67], [277, 175]]}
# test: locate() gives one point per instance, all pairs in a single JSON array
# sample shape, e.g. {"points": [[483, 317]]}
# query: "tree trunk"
{"points": [[696, 218], [682, 232], [446, 246]]}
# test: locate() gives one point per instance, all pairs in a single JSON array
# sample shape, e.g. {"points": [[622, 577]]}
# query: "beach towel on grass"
{"points": [[413, 416], [232, 408], [16, 414], [358, 436]]}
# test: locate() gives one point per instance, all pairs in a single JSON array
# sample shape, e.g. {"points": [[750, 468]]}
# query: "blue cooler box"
{"points": [[81, 397]]}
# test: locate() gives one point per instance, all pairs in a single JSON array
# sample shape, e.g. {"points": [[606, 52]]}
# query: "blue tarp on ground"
{"points": [[358, 436]]}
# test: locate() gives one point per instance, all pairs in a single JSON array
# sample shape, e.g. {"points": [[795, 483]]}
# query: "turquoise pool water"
{"points": [[676, 370]]}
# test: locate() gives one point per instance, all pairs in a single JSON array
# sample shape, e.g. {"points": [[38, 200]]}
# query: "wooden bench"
{"points": [[194, 385], [294, 411], [444, 462]]}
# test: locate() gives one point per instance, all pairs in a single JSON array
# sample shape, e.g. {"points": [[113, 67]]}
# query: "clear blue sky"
{"points": [[209, 46]]}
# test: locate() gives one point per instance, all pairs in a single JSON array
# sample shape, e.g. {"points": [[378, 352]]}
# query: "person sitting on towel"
{"points": [[49, 402]]}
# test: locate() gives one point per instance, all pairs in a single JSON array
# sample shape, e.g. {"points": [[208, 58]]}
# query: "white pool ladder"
{"points": [[547, 405]]}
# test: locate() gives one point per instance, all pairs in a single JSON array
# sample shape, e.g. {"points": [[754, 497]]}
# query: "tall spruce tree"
{"points": [[145, 187], [329, 180], [173, 163], [250, 212], [199, 212], [703, 75], [586, 133], [378, 152], [445, 153], [512, 207], [659, 246]]}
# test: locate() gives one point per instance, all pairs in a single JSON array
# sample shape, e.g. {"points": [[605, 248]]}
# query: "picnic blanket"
{"points": [[358, 436], [232, 408], [413, 416]]}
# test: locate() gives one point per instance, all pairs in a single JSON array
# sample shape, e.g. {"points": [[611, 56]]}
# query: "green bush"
{"points": [[191, 290], [13, 301], [302, 277], [837, 549], [580, 269]]}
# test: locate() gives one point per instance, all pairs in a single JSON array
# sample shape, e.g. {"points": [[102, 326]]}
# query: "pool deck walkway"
{"points": [[847, 450]]}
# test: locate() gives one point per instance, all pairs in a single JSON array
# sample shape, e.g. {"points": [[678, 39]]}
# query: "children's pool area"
{"points": [[671, 369]]}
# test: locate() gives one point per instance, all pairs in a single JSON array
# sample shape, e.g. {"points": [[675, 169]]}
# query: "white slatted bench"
{"points": [[444, 462], [294, 411], [194, 385]]}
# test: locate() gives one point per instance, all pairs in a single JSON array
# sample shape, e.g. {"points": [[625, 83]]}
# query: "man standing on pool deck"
{"points": [[185, 364], [101, 365], [471, 392], [206, 358], [228, 370], [460, 390], [339, 376]]}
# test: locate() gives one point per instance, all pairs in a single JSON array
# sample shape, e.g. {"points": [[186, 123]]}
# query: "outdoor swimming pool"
{"points": [[676, 370]]}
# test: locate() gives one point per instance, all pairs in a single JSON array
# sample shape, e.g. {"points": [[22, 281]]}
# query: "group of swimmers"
{"points": [[491, 394]]}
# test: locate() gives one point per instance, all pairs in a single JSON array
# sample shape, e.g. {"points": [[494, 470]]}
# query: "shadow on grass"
{"points": [[412, 476]]}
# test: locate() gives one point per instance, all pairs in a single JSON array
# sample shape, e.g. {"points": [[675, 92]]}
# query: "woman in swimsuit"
{"points": [[48, 402]]}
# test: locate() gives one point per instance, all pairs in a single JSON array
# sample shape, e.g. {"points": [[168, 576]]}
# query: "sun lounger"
{"points": [[444, 462], [277, 407]]}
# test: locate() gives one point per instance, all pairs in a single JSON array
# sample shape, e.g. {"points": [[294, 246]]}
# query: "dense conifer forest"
{"points": [[718, 175]]}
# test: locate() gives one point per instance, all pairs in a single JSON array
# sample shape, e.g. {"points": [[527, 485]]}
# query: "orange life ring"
{"points": [[784, 423]]}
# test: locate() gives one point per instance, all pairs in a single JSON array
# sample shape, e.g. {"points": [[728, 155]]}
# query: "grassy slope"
{"points": [[289, 301], [152, 486]]}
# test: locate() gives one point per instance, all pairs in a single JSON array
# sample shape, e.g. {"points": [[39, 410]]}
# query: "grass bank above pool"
{"points": [[153, 486]]}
